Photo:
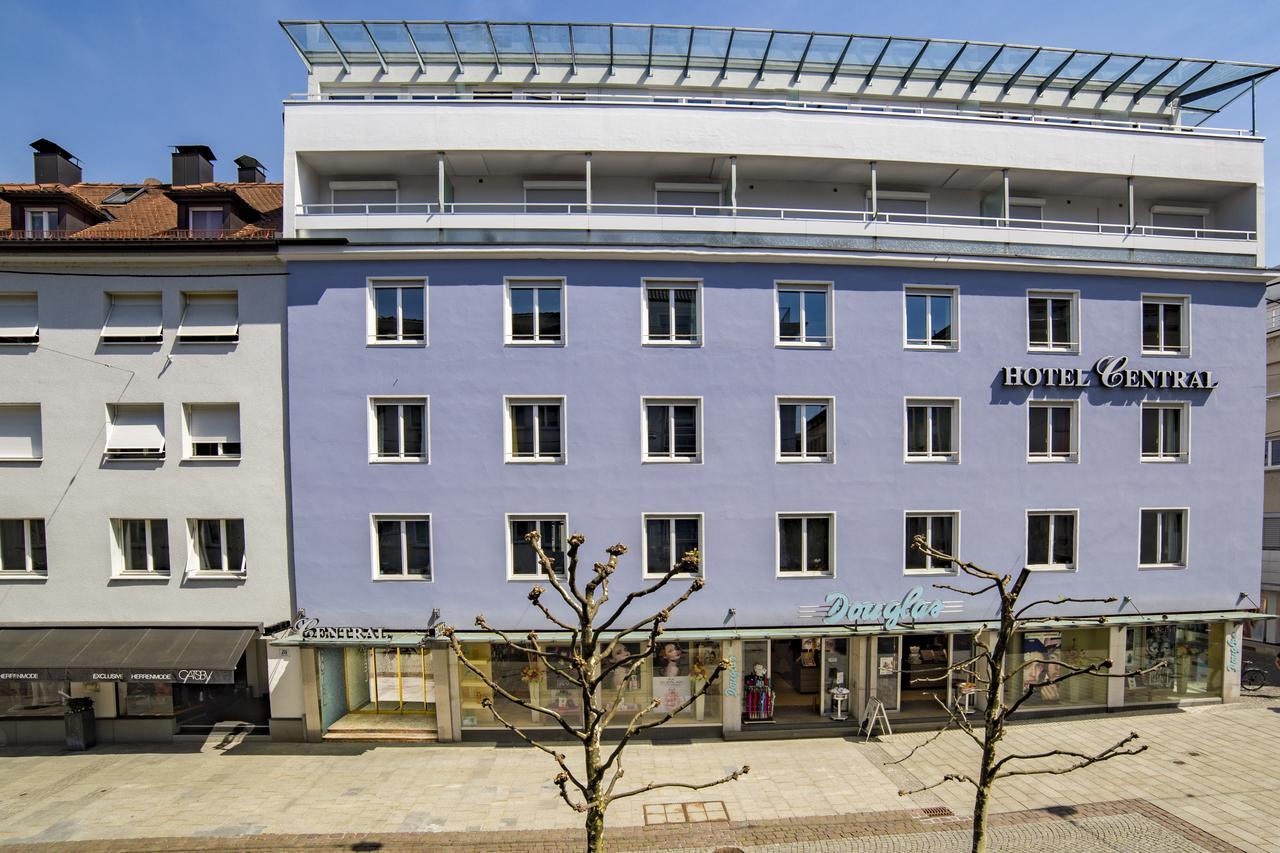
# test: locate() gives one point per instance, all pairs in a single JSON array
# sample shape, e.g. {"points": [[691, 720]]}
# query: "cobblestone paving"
{"points": [[1215, 767]]}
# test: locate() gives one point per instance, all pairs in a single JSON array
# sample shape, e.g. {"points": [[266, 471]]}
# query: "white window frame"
{"points": [[1073, 455], [150, 338], [932, 290], [1186, 537], [405, 575], [32, 337], [399, 400], [804, 544], [1184, 429], [399, 283], [38, 438], [509, 517], [534, 400], [1267, 457], [510, 283], [805, 457], [1071, 347], [188, 440], [955, 540], [929, 456], [671, 284], [672, 458], [119, 556], [207, 208], [825, 287], [193, 550], [1182, 299], [1074, 565], [645, 518], [29, 572], [43, 213]]}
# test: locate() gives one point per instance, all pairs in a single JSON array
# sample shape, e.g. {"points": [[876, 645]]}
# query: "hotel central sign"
{"points": [[1110, 371]]}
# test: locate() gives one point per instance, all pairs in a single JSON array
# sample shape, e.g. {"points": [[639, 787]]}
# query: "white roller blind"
{"points": [[214, 423], [136, 428], [133, 315], [210, 315], [18, 316], [1271, 533], [20, 432]]}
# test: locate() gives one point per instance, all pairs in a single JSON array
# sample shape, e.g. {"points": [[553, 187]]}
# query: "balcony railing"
{"points": [[768, 213], [704, 101]]}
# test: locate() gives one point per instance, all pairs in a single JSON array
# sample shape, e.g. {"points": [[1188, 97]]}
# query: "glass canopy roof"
{"points": [[1201, 84]]}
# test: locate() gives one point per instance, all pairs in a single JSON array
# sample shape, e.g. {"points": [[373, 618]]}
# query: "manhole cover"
{"points": [[937, 811], [658, 814]]}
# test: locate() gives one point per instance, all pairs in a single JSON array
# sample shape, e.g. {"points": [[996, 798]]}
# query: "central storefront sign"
{"points": [[309, 629], [913, 606], [1110, 371]]}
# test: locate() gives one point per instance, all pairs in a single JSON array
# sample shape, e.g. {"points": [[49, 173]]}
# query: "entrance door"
{"points": [[390, 681], [924, 681], [835, 669], [884, 669]]}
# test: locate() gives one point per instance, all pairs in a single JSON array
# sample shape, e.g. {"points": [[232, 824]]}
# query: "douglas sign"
{"points": [[1108, 372]]}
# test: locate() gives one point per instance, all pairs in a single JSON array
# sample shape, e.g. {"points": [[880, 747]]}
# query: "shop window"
{"points": [[673, 430], [1036, 657], [535, 312], [803, 315], [672, 313], [1189, 656], [805, 430], [20, 698], [149, 699]]}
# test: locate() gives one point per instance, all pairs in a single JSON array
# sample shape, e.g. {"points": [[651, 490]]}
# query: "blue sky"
{"points": [[117, 82]]}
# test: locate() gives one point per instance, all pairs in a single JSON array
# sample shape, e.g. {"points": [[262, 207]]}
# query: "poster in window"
{"points": [[887, 664], [671, 692]]}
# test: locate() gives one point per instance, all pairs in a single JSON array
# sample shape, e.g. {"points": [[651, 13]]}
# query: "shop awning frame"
{"points": [[183, 655]]}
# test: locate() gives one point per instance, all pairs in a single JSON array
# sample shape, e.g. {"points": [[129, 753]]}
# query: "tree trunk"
{"points": [[595, 830], [982, 801]]}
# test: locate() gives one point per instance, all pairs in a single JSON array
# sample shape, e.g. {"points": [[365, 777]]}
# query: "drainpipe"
{"points": [[588, 182], [733, 184], [875, 201]]}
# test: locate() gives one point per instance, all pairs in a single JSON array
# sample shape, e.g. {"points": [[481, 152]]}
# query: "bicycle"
{"points": [[1253, 677]]}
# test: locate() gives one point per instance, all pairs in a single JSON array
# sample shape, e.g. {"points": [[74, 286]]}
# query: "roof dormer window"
{"points": [[42, 221], [124, 195], [206, 220]]}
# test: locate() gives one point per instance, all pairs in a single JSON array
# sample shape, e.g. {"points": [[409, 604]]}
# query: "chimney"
{"points": [[250, 171], [192, 164], [54, 164]]}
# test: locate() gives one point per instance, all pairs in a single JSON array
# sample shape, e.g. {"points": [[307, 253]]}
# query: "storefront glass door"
{"points": [[924, 681], [884, 675], [389, 681], [835, 670]]}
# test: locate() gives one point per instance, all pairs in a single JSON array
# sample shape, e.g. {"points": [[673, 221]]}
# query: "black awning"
{"points": [[194, 655]]}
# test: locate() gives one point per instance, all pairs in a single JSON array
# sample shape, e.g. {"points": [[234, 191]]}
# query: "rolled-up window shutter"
{"points": [[18, 320], [1271, 534], [210, 317], [136, 429], [20, 432], [214, 423], [133, 317]]}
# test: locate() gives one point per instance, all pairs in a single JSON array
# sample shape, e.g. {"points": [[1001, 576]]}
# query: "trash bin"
{"points": [[82, 729]]}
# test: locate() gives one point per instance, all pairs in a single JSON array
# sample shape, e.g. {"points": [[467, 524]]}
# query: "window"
{"points": [[205, 220], [1163, 538], [687, 199], [1026, 212], [398, 429], [672, 312], [18, 321], [1052, 431], [1272, 459], [672, 430], [135, 431], [535, 431], [933, 430], [1164, 432], [806, 545], [805, 430], [42, 221], [901, 207], [397, 311], [667, 539], [133, 318], [523, 560], [1271, 535], [535, 312], [931, 321], [1170, 221], [218, 544], [20, 435], [1051, 540], [1052, 321], [1166, 327], [364, 196], [555, 196], [940, 532], [142, 546], [213, 431], [402, 547], [124, 195], [209, 318], [804, 314], [22, 547]]}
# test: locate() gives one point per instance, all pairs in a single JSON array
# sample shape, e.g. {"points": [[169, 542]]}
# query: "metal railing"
{"points": [[827, 107], [133, 234], [768, 213]]}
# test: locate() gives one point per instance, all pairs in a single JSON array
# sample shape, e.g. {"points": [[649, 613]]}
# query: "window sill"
{"points": [[21, 460], [215, 576], [398, 460], [678, 576], [804, 575], [1174, 460], [1143, 567], [673, 460], [645, 342], [942, 573], [515, 460], [115, 459], [1049, 568], [1052, 460], [804, 344], [407, 343], [933, 348], [805, 460], [402, 579], [1074, 349], [220, 460], [935, 460], [512, 343], [24, 577], [1164, 353], [151, 577], [538, 578]]}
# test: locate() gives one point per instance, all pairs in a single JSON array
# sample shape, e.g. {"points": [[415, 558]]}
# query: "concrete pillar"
{"points": [[733, 184], [454, 696], [1116, 653], [588, 182], [858, 681], [875, 200], [440, 180], [731, 686], [1232, 661], [1133, 210], [287, 689], [310, 696], [438, 660], [1004, 200]]}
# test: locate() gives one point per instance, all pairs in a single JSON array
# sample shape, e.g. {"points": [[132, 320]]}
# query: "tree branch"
{"points": [[534, 538], [679, 568], [1085, 760], [950, 777], [653, 786]]}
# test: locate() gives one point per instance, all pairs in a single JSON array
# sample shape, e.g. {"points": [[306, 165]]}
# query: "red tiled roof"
{"points": [[151, 214]]}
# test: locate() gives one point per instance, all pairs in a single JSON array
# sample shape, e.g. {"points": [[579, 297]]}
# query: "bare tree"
{"points": [[986, 668], [591, 659]]}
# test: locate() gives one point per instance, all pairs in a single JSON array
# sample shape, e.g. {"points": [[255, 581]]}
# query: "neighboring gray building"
{"points": [[143, 529]]}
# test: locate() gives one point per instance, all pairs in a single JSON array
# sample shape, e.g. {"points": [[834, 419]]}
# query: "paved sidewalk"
{"points": [[1212, 767]]}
